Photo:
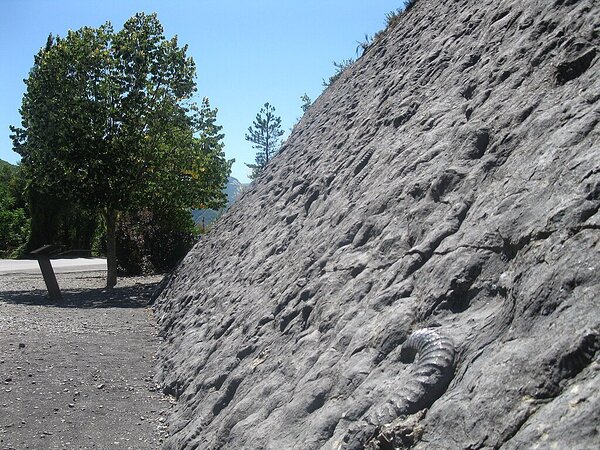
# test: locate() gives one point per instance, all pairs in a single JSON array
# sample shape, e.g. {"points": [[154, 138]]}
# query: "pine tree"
{"points": [[265, 133]]}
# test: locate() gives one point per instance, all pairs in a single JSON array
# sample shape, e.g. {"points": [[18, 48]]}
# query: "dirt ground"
{"points": [[79, 373]]}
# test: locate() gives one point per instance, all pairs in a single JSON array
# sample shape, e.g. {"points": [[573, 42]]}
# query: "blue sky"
{"points": [[246, 52]]}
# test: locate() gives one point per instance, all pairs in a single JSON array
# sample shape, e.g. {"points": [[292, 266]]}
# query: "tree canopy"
{"points": [[108, 120], [14, 222]]}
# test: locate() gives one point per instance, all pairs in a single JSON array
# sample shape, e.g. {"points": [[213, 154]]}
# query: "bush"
{"points": [[153, 241]]}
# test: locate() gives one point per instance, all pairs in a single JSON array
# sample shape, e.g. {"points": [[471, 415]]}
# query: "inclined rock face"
{"points": [[419, 267]]}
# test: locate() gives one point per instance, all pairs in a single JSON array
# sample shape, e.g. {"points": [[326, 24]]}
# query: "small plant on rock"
{"points": [[363, 46], [340, 67]]}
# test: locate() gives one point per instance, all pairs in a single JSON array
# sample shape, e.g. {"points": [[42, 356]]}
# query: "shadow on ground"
{"points": [[137, 296]]}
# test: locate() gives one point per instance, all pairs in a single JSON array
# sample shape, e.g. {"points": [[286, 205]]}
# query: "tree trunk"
{"points": [[111, 247]]}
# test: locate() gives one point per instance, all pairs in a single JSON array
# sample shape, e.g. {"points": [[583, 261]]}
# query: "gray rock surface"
{"points": [[449, 180]]}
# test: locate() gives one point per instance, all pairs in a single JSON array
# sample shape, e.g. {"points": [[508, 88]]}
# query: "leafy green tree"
{"points": [[14, 220], [209, 160], [156, 237], [265, 134], [108, 121]]}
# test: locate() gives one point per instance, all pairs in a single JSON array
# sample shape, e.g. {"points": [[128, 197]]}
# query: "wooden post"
{"points": [[43, 258]]}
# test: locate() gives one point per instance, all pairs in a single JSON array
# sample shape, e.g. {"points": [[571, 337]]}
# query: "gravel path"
{"points": [[79, 373]]}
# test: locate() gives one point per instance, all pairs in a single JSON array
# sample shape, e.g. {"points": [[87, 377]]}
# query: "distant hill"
{"points": [[7, 164], [6, 171], [233, 189]]}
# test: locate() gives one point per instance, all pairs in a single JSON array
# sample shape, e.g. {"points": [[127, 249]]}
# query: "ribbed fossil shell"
{"points": [[433, 356]]}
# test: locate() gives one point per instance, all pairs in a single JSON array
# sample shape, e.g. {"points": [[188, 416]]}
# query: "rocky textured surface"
{"points": [[449, 180]]}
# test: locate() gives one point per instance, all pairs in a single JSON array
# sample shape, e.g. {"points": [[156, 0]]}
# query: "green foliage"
{"points": [[6, 168], [203, 218], [306, 102], [392, 19], [14, 220], [339, 69], [209, 170], [14, 226], [265, 134], [60, 222], [108, 121], [408, 4]]}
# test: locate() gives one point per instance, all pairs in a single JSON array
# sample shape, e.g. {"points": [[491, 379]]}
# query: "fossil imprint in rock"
{"points": [[432, 354]]}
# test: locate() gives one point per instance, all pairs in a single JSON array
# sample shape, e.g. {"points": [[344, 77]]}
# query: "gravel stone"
{"points": [[53, 355]]}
